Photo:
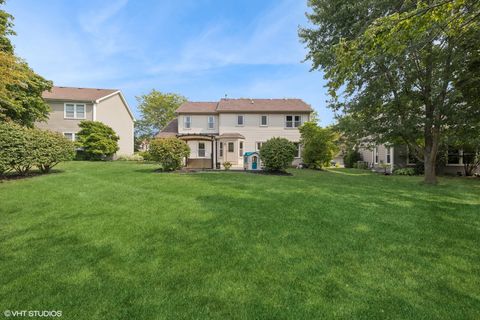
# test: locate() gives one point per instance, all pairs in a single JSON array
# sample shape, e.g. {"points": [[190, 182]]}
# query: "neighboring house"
{"points": [[224, 131], [400, 157], [69, 106]]}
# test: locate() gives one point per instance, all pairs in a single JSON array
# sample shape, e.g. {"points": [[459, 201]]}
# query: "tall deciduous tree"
{"points": [[402, 71], [20, 87], [157, 109]]}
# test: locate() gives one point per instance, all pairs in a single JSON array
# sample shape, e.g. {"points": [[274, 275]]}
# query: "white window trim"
{"points": [[243, 120], [74, 134], [221, 150], [208, 122], [460, 159], [268, 120], [240, 149], [228, 147], [204, 149], [190, 122], [299, 154], [256, 145], [387, 154], [293, 121], [375, 152], [75, 117]]}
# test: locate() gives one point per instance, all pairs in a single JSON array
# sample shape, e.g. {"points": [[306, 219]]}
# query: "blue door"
{"points": [[254, 163]]}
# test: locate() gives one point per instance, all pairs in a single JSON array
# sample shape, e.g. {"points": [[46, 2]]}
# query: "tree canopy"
{"points": [[20, 87], [157, 109], [399, 71]]}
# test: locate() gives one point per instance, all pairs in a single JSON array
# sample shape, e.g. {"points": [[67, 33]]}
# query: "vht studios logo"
{"points": [[32, 313]]}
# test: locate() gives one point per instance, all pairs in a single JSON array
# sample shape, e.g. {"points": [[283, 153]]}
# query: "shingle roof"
{"points": [[170, 130], [263, 105], [246, 105], [77, 94], [197, 107]]}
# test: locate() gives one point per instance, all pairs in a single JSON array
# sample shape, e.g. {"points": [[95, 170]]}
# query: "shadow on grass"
{"points": [[31, 174]]}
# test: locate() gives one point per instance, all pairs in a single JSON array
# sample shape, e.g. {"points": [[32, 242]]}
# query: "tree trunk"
{"points": [[430, 172]]}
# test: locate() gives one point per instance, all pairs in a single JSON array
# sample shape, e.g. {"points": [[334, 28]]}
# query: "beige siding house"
{"points": [[398, 156], [225, 131], [70, 105]]}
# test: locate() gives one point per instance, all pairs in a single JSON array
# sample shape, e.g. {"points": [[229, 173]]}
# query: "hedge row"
{"points": [[22, 149]]}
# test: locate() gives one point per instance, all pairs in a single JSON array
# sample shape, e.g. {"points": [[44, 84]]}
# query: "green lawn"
{"points": [[117, 241]]}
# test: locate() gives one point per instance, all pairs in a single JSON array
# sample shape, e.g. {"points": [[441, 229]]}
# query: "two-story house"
{"points": [[70, 105], [224, 131]]}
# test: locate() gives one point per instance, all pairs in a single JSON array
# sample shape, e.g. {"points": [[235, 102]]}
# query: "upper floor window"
{"points": [[240, 120], [211, 122], [74, 111], [187, 122], [263, 120], [201, 149], [293, 121]]}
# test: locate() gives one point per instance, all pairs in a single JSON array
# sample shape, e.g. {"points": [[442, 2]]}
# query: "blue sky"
{"points": [[199, 48]]}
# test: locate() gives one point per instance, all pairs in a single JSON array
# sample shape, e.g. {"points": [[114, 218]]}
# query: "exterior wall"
{"points": [[113, 112], [253, 132], [56, 119], [193, 144], [199, 124]]}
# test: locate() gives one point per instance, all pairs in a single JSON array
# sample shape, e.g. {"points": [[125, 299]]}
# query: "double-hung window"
{"points": [[74, 111], [293, 121], [388, 156], [375, 155], [201, 149], [263, 121], [454, 156], [259, 145], [297, 149], [240, 149], [240, 120], [187, 122], [221, 149], [211, 122]]}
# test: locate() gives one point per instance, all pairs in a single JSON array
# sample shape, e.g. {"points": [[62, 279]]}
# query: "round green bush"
{"points": [[277, 154], [351, 158], [51, 148], [169, 152]]}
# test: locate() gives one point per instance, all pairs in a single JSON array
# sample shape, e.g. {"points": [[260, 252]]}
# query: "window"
{"points": [[221, 149], [211, 122], [293, 121], [201, 149], [411, 159], [297, 147], [263, 121], [240, 120], [375, 155], [454, 156], [74, 111], [230, 147], [70, 136], [388, 155], [240, 149], [187, 122], [259, 145]]}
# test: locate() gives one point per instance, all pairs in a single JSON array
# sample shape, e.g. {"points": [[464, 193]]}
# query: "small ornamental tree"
{"points": [[319, 145], [169, 152], [51, 148], [351, 158], [277, 154], [97, 140]]}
